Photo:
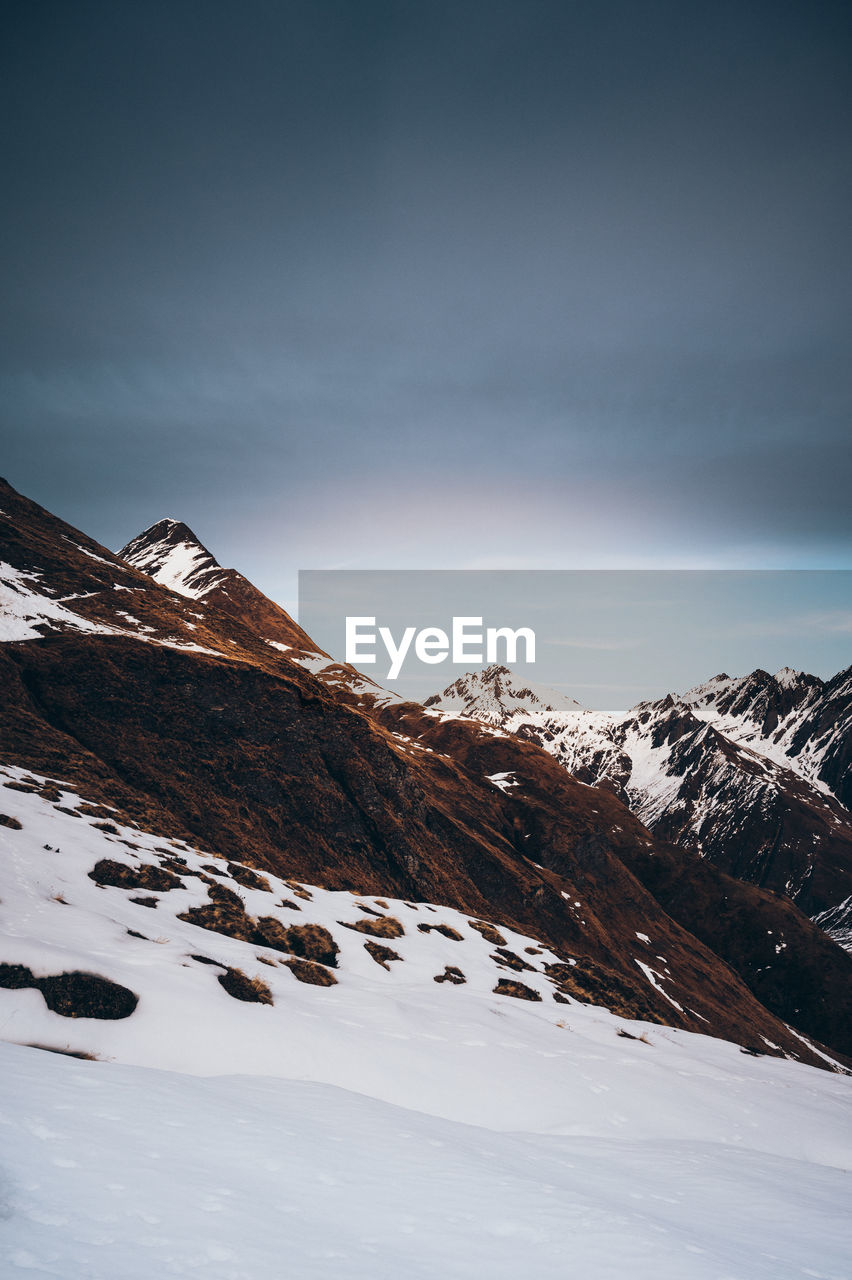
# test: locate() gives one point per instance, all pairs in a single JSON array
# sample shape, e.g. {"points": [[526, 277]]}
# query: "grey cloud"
{"points": [[530, 280]]}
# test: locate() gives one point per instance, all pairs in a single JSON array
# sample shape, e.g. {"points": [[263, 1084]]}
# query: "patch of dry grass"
{"points": [[119, 875], [507, 987], [512, 961], [451, 974], [381, 954], [241, 987], [308, 941], [75, 994], [247, 878], [488, 931], [313, 942], [445, 930], [314, 974], [383, 927]]}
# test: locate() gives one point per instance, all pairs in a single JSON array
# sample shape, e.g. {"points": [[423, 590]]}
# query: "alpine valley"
{"points": [[346, 986]]}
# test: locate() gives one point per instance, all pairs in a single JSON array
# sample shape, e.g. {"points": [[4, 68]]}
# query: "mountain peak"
{"points": [[170, 552], [166, 530], [494, 692], [168, 526]]}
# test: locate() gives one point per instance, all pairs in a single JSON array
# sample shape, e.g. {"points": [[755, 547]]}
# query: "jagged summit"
{"points": [[788, 676], [169, 522], [172, 555], [170, 552], [746, 770], [171, 528], [488, 694], [787, 686]]}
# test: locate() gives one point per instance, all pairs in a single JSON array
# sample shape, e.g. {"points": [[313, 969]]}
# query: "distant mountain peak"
{"points": [[168, 527], [487, 693], [788, 677], [747, 770], [170, 552]]}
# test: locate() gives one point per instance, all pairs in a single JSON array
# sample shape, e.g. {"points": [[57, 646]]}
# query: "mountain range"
{"points": [[750, 773], [387, 988], [195, 709]]}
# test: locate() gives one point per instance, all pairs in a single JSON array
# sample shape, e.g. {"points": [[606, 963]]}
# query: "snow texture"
{"points": [[385, 1126], [112, 1171], [28, 613]]}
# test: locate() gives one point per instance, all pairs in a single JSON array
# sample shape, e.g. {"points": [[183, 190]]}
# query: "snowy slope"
{"points": [[112, 1171], [170, 552], [29, 611], [386, 1125], [55, 918], [766, 712]]}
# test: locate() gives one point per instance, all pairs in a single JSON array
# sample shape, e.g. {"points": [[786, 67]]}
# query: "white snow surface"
{"points": [[177, 565], [387, 1126], [27, 612], [113, 1171], [503, 781], [23, 607]]}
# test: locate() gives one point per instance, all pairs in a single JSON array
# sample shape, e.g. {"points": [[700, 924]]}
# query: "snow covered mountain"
{"points": [[368, 987], [494, 695], [712, 771], [793, 718], [183, 716], [237, 745], [170, 553]]}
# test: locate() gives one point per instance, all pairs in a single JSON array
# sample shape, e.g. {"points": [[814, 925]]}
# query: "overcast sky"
{"points": [[379, 285]]}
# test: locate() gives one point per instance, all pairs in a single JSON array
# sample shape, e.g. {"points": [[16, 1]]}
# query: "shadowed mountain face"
{"points": [[178, 713], [732, 769], [793, 718]]}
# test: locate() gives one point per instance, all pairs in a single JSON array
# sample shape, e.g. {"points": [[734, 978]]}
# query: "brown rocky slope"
{"points": [[241, 750]]}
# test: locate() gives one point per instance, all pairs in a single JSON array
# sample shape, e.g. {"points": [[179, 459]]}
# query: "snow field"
{"points": [[386, 1126], [114, 1171]]}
